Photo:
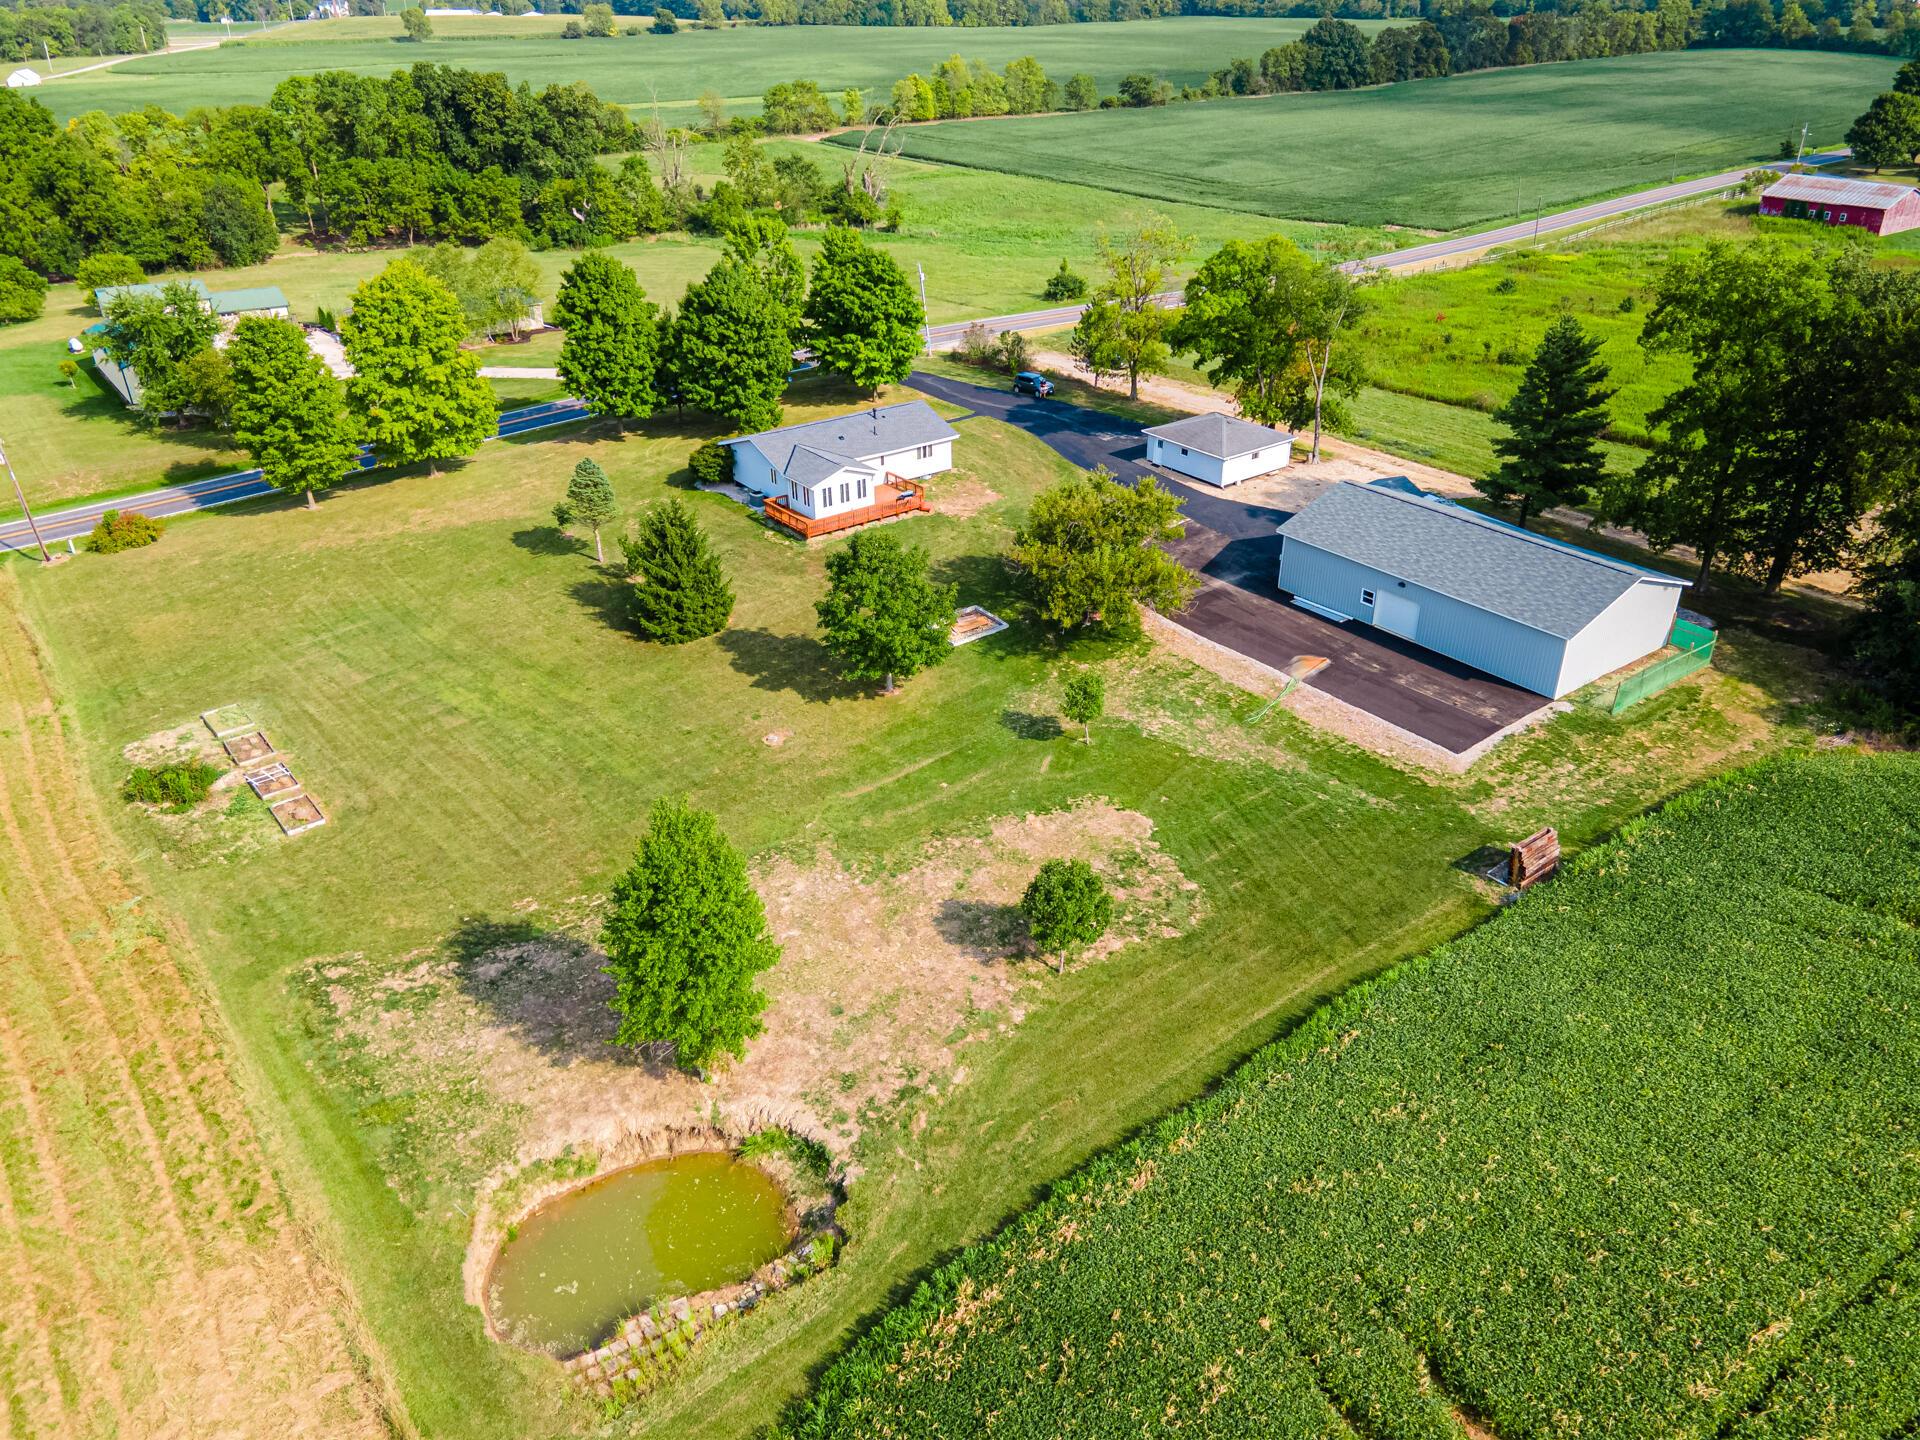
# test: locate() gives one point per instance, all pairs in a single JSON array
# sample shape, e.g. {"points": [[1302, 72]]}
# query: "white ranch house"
{"points": [[850, 470], [1218, 449]]}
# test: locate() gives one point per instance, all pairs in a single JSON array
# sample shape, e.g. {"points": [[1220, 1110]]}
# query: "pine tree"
{"points": [[289, 412], [685, 939], [419, 396], [1550, 453], [863, 318], [589, 501], [731, 347], [610, 356], [883, 616], [681, 591]]}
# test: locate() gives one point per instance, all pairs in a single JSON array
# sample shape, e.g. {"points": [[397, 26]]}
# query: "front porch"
{"points": [[891, 498]]}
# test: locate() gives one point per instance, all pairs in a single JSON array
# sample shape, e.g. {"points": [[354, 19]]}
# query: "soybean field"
{"points": [[1635, 1158], [1440, 154]]}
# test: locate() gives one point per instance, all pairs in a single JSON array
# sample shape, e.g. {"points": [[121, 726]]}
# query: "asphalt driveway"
{"points": [[1235, 548]]}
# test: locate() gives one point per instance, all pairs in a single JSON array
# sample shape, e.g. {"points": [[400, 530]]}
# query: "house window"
{"points": [[844, 494], [925, 452], [806, 498], [1183, 449], [1256, 454], [863, 487], [1366, 597]]}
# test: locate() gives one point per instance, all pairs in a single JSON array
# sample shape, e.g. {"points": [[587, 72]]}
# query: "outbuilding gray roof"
{"points": [[1834, 190], [1222, 436], [798, 451], [1446, 548]]}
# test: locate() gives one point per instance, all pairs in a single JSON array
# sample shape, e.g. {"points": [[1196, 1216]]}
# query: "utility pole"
{"points": [[1803, 142], [32, 524], [926, 324]]}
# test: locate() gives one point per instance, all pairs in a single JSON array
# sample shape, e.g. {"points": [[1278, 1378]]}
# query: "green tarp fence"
{"points": [[1695, 643]]}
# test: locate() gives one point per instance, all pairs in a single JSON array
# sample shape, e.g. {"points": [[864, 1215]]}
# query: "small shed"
{"points": [[1834, 200], [1543, 615], [1218, 449], [22, 78]]}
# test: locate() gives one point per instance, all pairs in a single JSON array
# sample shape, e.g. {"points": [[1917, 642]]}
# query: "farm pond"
{"points": [[586, 1260]]}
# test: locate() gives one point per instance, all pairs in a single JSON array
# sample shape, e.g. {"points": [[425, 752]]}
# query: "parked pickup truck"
{"points": [[1027, 382]]}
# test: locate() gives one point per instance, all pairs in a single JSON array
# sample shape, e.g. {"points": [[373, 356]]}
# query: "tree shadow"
{"points": [[797, 663], [546, 987], [1026, 726], [548, 540], [981, 930], [607, 599]]}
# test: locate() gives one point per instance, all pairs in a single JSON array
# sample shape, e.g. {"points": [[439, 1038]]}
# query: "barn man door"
{"points": [[1396, 614]]}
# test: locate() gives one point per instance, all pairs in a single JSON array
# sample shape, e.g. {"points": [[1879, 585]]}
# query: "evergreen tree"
{"points": [[1084, 699], [1550, 453], [589, 501], [731, 347], [1067, 908], [883, 616], [681, 591], [685, 939], [1090, 555], [863, 318], [289, 410], [419, 395], [611, 353]]}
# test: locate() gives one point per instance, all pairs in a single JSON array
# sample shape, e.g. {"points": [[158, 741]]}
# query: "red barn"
{"points": [[1877, 209]]}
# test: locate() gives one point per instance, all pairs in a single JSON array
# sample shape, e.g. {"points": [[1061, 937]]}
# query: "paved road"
{"points": [[169, 500]]}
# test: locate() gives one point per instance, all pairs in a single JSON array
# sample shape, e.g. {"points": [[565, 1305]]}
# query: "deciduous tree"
{"points": [[863, 318], [1136, 261], [1243, 320], [1067, 908], [155, 336], [1550, 454], [610, 355], [686, 939], [1888, 135], [589, 501], [681, 591], [418, 394], [22, 293], [1089, 552], [414, 21], [1083, 699], [1095, 341], [289, 410], [731, 347], [883, 618]]}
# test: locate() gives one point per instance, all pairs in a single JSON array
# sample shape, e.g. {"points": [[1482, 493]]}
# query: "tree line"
{"points": [[34, 31]]}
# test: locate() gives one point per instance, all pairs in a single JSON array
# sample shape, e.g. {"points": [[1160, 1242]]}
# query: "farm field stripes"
{"points": [[635, 70], [1437, 154], [1605, 1163], [155, 1278]]}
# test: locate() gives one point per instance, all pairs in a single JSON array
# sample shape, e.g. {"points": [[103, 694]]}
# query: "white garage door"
{"points": [[1396, 614]]}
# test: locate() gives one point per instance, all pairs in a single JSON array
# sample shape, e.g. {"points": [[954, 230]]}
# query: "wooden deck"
{"points": [[891, 498]]}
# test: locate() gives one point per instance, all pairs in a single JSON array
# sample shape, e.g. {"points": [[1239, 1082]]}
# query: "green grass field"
{"points": [[639, 69], [1629, 1159], [445, 675], [1438, 154]]}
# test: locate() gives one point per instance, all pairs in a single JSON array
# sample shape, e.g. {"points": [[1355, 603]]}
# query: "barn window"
{"points": [[1366, 597], [1843, 217]]}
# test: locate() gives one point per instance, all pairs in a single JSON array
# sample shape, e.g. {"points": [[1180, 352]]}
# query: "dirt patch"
{"points": [[188, 740], [961, 496]]}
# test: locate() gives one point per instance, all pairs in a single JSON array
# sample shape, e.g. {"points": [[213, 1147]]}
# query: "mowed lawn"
{"points": [[455, 685], [738, 63], [1440, 154]]}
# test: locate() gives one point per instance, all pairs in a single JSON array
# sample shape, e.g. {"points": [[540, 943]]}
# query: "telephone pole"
{"points": [[926, 324], [32, 524]]}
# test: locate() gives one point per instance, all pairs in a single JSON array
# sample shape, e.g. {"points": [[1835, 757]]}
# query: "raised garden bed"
{"points": [[274, 782], [302, 812], [972, 623], [228, 720], [250, 748]]}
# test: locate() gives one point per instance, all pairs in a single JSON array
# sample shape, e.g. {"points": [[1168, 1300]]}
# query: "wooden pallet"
{"points": [[1534, 859]]}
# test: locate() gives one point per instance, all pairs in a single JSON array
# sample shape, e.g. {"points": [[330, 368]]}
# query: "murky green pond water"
{"points": [[587, 1260]]}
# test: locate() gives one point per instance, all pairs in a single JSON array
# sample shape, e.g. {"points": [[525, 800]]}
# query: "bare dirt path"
{"points": [[156, 1283]]}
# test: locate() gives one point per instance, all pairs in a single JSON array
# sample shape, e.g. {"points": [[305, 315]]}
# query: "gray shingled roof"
{"points": [[1480, 562], [848, 439], [1221, 436], [1836, 190]]}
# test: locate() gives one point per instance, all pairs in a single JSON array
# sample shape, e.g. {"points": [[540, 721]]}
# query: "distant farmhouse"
{"points": [[832, 475], [1546, 616], [1873, 207], [229, 305], [1218, 449]]}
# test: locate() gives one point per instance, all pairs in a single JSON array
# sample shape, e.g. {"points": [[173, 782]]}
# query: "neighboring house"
{"points": [[1218, 449], [1546, 616], [229, 305], [1831, 200], [22, 78], [830, 475]]}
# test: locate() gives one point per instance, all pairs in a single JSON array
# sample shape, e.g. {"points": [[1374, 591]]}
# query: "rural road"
{"points": [[170, 500]]}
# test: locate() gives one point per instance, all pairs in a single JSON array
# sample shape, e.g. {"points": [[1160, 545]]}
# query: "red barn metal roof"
{"points": [[1832, 190]]}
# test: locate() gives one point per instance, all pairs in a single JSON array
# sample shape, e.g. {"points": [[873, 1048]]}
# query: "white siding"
{"points": [[1186, 461], [1636, 624], [912, 465], [751, 471]]}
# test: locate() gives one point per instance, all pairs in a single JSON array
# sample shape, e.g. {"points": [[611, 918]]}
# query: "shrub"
{"points": [[1014, 352], [176, 785], [107, 269], [978, 346], [712, 464], [1626, 304], [809, 1157], [1064, 285], [22, 293], [1509, 356], [123, 530], [1506, 286]]}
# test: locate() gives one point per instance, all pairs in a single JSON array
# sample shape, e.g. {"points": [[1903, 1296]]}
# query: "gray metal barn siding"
{"points": [[1529, 658]]}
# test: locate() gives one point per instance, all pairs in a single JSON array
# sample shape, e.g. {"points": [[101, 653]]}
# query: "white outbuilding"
{"points": [[1218, 449], [23, 77]]}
